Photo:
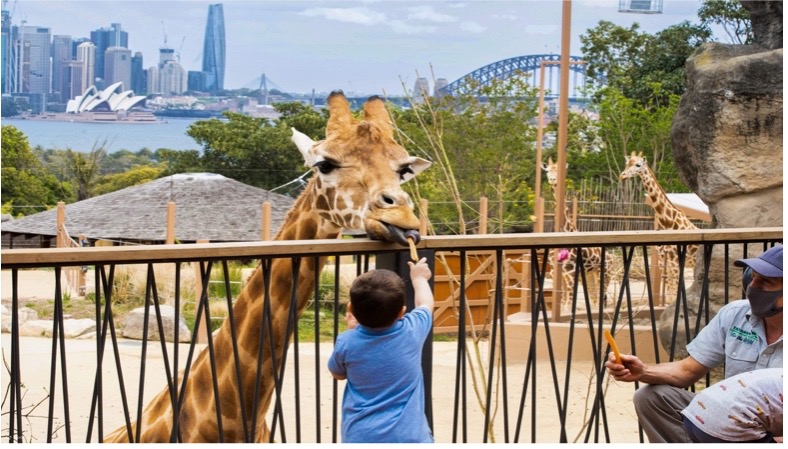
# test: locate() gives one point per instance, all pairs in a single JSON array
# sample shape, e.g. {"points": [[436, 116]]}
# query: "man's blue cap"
{"points": [[769, 264]]}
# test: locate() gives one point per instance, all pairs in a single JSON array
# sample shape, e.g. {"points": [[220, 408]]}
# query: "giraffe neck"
{"points": [[568, 225], [667, 215], [302, 223]]}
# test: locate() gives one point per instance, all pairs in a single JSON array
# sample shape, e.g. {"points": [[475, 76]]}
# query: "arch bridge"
{"points": [[505, 68]]}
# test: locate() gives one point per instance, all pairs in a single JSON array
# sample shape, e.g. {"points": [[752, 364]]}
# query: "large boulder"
{"points": [[727, 139], [133, 325]]}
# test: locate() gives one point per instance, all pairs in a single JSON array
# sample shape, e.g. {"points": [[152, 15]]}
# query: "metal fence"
{"points": [[516, 373]]}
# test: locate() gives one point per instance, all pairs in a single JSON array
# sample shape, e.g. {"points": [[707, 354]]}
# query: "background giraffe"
{"points": [[667, 216], [592, 257], [357, 172]]}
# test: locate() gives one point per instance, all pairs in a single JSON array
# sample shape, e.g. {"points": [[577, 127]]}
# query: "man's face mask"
{"points": [[762, 303]]}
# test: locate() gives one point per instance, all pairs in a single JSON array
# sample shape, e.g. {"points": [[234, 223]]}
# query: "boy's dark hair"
{"points": [[377, 297]]}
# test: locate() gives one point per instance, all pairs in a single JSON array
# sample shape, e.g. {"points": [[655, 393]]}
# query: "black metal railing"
{"points": [[528, 370]]}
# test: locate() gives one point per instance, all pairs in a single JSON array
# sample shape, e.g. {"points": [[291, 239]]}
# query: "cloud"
{"points": [[401, 27], [504, 16], [428, 14], [541, 29], [472, 27], [361, 16]]}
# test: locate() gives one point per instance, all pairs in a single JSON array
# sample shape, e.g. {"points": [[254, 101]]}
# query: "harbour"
{"points": [[114, 136]]}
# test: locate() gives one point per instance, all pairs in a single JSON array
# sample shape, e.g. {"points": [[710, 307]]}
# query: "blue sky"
{"points": [[372, 47]]}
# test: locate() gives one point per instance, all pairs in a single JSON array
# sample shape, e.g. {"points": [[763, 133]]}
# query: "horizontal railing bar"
{"points": [[35, 258]]}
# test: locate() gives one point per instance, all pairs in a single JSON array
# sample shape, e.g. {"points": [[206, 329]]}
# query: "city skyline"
{"points": [[372, 47]]}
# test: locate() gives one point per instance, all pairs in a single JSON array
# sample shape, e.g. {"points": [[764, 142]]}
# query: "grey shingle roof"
{"points": [[208, 206]]}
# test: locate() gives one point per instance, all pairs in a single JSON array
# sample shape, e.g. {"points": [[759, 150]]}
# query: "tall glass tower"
{"points": [[213, 50]]}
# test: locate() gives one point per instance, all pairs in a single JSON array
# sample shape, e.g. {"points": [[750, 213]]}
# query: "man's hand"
{"points": [[630, 369]]}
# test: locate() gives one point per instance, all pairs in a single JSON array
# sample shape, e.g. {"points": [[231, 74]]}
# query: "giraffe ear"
{"points": [[418, 165], [545, 166], [304, 144]]}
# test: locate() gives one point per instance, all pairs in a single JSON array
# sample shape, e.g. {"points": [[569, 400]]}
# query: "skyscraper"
{"points": [[103, 38], [33, 60], [61, 72], [213, 51], [117, 66], [86, 61], [5, 51], [138, 75]]}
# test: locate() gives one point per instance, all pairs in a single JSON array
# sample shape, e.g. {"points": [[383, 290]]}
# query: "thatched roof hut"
{"points": [[207, 206]]}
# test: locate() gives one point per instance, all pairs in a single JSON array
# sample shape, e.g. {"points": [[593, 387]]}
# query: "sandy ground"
{"points": [[81, 361]]}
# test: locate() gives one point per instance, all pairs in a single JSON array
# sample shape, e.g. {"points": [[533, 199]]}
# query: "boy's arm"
{"points": [[420, 275]]}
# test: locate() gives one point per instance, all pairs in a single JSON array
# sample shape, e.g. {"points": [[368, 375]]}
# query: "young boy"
{"points": [[380, 356]]}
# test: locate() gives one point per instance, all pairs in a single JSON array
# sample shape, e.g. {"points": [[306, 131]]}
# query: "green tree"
{"points": [[481, 144], [731, 16], [26, 186], [630, 61], [250, 150], [82, 170], [132, 177], [626, 125]]}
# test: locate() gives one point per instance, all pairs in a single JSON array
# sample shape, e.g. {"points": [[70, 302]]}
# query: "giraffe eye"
{"points": [[325, 166], [404, 172]]}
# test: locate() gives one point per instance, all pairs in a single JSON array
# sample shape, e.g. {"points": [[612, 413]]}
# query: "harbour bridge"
{"points": [[505, 68]]}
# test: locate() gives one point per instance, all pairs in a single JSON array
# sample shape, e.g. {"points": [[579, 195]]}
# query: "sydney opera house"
{"points": [[111, 99]]}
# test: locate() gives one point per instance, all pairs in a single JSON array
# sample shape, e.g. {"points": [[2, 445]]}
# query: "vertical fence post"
{"points": [[170, 223], [423, 217], [61, 225], [266, 225], [201, 333], [483, 215]]}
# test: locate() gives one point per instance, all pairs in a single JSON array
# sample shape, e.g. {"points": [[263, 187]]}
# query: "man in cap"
{"points": [[745, 335]]}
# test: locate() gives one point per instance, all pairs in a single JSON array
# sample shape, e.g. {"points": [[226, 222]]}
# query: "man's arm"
{"points": [[681, 373], [420, 275]]}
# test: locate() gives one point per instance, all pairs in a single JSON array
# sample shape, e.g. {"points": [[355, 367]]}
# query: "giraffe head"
{"points": [[636, 164], [551, 168], [358, 170]]}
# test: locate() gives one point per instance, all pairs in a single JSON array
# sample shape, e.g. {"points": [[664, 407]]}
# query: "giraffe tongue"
{"points": [[400, 236]]}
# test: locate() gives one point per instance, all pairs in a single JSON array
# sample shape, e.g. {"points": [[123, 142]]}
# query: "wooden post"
{"points": [[574, 212], [539, 214], [266, 225], [656, 272], [170, 223], [483, 215], [83, 271], [423, 219], [201, 333], [61, 225]]}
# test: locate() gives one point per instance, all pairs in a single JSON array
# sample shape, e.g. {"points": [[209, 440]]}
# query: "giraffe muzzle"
{"points": [[399, 235]]}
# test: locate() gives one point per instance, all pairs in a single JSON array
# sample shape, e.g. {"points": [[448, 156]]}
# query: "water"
{"points": [[82, 136]]}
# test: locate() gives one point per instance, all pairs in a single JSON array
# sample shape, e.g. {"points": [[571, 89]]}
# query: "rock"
{"points": [[24, 314], [35, 328], [132, 325], [727, 140], [767, 22]]}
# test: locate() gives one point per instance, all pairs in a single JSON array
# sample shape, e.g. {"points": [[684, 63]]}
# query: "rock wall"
{"points": [[727, 139]]}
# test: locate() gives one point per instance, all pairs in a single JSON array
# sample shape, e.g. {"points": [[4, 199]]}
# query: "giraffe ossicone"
{"points": [[357, 172]]}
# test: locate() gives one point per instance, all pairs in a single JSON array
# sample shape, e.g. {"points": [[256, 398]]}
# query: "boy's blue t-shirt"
{"points": [[384, 395]]}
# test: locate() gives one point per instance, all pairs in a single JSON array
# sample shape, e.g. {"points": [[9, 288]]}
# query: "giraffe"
{"points": [[357, 172], [667, 216], [592, 257]]}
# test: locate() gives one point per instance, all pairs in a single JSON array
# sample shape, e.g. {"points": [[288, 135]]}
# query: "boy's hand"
{"points": [[420, 270]]}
